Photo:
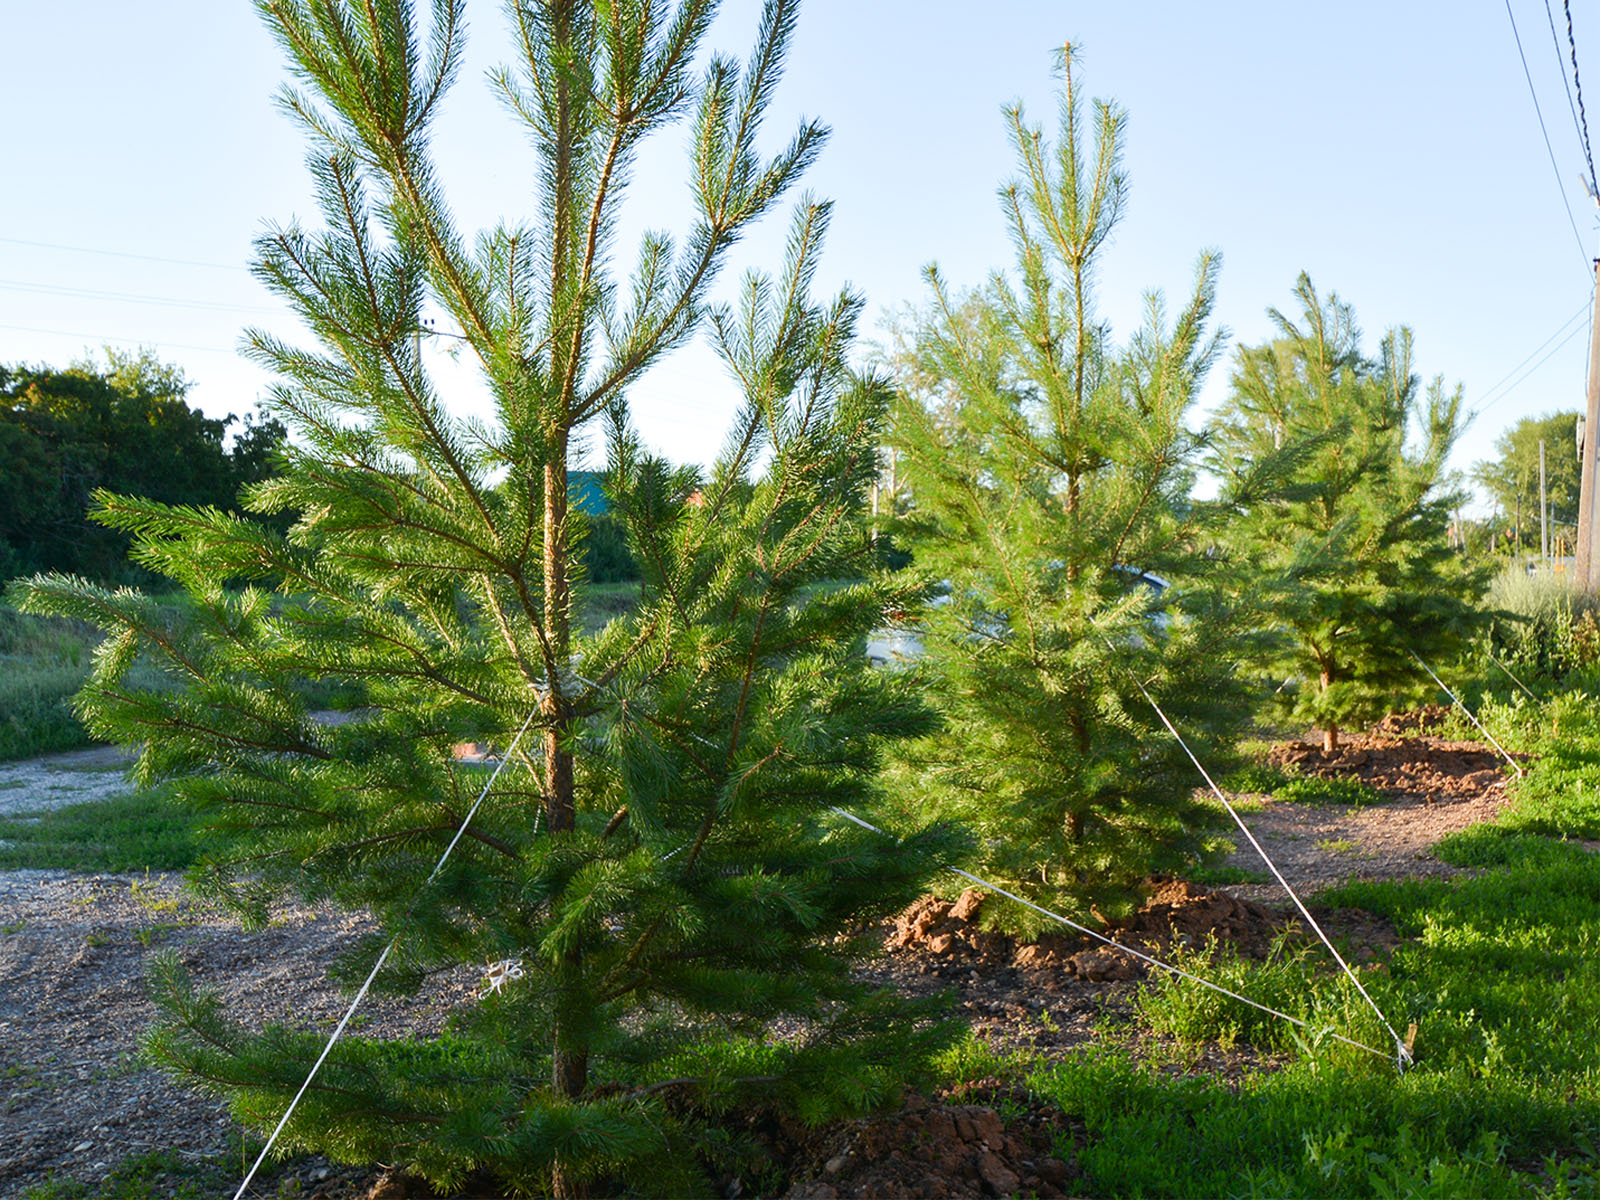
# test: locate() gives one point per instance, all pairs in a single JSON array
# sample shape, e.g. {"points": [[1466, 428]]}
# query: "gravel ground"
{"points": [[74, 1099], [57, 780]]}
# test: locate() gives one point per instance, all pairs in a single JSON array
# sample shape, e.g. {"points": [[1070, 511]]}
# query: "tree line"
{"points": [[123, 425]]}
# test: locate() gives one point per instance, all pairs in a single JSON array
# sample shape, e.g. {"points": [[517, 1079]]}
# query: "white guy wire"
{"points": [[1504, 753], [1525, 689], [1129, 950], [1403, 1053], [377, 966]]}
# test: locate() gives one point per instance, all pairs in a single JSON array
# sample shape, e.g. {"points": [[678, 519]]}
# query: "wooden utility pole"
{"points": [[1544, 511], [1585, 573]]}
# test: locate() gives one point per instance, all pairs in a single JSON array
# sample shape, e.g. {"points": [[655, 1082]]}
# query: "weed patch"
{"points": [[1314, 789], [144, 830]]}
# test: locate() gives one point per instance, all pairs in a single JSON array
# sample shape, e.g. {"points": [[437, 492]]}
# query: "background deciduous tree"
{"points": [[1512, 479], [124, 426]]}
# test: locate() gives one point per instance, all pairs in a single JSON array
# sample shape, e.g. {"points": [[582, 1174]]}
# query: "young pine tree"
{"points": [[1047, 470], [1354, 557], [661, 852]]}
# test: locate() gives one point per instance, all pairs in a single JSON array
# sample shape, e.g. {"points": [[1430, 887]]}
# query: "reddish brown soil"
{"points": [[1402, 762], [958, 1146], [1175, 911]]}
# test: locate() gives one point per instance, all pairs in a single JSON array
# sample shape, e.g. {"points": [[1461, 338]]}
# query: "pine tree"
{"points": [[1048, 470], [1354, 558], [662, 852]]}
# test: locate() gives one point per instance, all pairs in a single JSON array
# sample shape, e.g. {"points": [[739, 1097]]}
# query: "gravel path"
{"points": [[57, 780]]}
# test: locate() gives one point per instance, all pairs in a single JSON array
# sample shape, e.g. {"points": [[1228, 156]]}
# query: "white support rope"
{"points": [[1526, 690], [1129, 950], [378, 966], [1504, 753], [1402, 1051]]}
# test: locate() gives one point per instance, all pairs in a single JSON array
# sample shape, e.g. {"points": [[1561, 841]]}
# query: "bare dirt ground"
{"points": [[74, 951], [1434, 787], [75, 1099]]}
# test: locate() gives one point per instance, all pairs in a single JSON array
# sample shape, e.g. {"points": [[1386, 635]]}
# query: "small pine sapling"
{"points": [[1047, 472], [1353, 556]]}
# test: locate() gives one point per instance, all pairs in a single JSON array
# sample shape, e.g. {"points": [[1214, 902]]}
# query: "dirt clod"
{"points": [[1173, 911], [1419, 766], [957, 1145]]}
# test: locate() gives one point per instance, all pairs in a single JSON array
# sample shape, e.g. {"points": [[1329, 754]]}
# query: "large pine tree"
{"points": [[1048, 469], [1354, 557], [662, 852]]}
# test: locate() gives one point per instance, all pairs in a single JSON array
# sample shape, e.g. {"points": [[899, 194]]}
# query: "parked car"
{"points": [[898, 642]]}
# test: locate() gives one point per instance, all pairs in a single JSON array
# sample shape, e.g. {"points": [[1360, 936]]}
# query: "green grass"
{"points": [[1221, 876], [1261, 779], [44, 661], [1254, 779], [600, 602], [144, 830], [1499, 970], [1341, 789]]}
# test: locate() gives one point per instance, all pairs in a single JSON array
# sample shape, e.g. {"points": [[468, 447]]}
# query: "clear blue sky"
{"points": [[1391, 150]]}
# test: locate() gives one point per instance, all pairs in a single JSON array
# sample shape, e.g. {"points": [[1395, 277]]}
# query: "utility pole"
{"points": [[1544, 511], [1585, 573]]}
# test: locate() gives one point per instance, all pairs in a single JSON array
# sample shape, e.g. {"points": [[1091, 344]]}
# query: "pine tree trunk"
{"points": [[1330, 735], [569, 1071], [558, 785]]}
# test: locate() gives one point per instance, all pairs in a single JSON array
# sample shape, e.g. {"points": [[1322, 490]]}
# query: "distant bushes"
{"points": [[43, 662], [1542, 626]]}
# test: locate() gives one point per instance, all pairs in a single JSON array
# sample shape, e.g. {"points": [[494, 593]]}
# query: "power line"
{"points": [[1528, 75], [1561, 63], [181, 262], [1487, 402], [1560, 329], [1583, 117], [53, 289], [102, 337]]}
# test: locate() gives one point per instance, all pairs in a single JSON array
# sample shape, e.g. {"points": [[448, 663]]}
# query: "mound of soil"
{"points": [[1419, 767], [957, 1146], [1175, 911]]}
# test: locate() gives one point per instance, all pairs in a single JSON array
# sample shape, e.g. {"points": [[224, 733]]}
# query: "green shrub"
{"points": [[1544, 629]]}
